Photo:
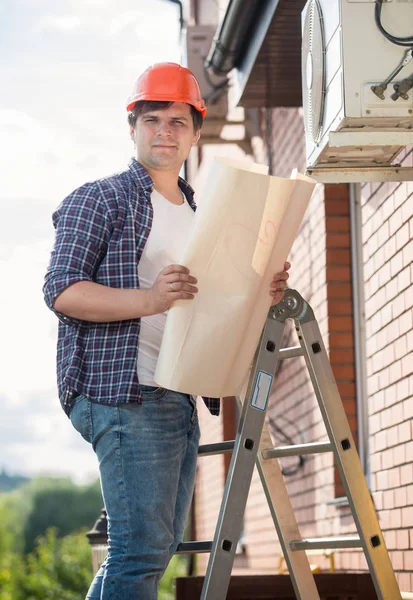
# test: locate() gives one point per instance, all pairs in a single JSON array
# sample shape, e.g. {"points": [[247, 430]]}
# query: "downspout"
{"points": [[184, 170], [357, 276], [181, 14], [230, 38]]}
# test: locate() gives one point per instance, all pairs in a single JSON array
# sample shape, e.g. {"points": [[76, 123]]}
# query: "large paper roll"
{"points": [[243, 230]]}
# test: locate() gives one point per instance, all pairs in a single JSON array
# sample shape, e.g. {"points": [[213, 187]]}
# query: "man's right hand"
{"points": [[173, 283]]}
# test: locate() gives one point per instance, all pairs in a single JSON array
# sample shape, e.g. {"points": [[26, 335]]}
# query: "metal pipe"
{"points": [[181, 13], [357, 277], [230, 37]]}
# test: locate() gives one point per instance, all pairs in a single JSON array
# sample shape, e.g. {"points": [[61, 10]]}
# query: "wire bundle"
{"points": [[400, 41]]}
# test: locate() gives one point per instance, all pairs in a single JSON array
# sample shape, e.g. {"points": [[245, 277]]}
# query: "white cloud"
{"points": [[69, 69], [66, 23]]}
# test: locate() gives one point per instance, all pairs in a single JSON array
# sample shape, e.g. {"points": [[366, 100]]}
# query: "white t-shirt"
{"points": [[170, 230]]}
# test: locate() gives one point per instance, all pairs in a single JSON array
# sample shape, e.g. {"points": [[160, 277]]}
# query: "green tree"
{"points": [[176, 568], [57, 568], [10, 561], [66, 507]]}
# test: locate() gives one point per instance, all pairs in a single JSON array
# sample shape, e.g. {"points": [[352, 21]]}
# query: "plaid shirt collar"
{"points": [[145, 182]]}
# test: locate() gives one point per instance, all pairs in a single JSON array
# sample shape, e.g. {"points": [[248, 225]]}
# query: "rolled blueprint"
{"points": [[242, 233]]}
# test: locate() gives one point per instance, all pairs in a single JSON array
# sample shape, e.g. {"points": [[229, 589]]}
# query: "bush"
{"points": [[57, 568]]}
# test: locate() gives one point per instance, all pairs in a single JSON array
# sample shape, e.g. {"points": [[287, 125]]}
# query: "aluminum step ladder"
{"points": [[252, 446]]}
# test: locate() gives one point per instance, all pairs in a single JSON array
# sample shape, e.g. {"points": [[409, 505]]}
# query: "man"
{"points": [[113, 274]]}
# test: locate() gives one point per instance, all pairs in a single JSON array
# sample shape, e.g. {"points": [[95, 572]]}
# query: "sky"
{"points": [[66, 70]]}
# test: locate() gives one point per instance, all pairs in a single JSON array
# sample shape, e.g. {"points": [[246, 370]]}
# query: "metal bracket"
{"points": [[292, 306], [379, 89], [351, 174], [338, 139]]}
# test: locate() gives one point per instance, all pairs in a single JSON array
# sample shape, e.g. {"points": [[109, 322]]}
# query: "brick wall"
{"points": [[321, 273], [387, 211]]}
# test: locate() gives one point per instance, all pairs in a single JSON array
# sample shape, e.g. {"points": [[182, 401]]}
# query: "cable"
{"points": [[285, 439], [278, 433], [400, 41], [217, 89]]}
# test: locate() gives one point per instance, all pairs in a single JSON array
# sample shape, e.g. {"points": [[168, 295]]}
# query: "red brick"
{"points": [[343, 356], [337, 224], [339, 290], [340, 307], [347, 390], [338, 240], [338, 273], [335, 256], [336, 191], [343, 372], [340, 323]]}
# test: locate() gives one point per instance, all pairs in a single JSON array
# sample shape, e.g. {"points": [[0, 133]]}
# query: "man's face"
{"points": [[164, 138]]}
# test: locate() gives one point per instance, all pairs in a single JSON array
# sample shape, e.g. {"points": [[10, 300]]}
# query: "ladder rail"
{"points": [[345, 452], [253, 447], [244, 458]]}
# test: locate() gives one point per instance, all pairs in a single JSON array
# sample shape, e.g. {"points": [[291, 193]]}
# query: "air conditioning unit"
{"points": [[198, 40], [357, 88]]}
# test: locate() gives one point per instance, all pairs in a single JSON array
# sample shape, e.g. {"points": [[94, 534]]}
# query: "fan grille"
{"points": [[313, 71]]}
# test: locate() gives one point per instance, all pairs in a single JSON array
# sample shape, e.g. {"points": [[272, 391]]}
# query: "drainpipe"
{"points": [[357, 276], [181, 14], [231, 37]]}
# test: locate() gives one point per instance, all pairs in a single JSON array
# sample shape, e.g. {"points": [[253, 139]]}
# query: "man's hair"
{"points": [[144, 106]]}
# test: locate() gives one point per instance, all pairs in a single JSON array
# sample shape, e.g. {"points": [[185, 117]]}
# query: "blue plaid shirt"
{"points": [[101, 230]]}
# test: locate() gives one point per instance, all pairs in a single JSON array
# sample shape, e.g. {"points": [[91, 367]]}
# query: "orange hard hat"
{"points": [[168, 82]]}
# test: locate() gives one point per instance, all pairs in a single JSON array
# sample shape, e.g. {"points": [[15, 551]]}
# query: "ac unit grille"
{"points": [[313, 70]]}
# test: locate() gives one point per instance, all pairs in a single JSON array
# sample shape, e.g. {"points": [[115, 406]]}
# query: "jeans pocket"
{"points": [[81, 418], [151, 393]]}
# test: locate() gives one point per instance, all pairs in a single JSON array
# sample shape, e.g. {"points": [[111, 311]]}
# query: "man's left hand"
{"points": [[278, 284]]}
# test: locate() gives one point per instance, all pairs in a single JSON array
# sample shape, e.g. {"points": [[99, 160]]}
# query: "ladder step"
{"points": [[326, 543], [290, 352], [297, 450], [216, 448], [194, 547]]}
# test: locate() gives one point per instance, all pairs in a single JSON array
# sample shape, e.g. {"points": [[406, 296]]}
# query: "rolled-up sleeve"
{"points": [[82, 234]]}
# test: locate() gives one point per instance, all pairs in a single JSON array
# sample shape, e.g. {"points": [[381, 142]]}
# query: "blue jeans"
{"points": [[147, 460]]}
